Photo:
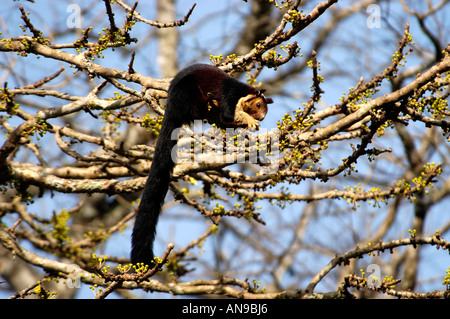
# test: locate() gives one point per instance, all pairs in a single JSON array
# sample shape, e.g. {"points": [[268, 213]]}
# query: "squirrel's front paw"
{"points": [[252, 123]]}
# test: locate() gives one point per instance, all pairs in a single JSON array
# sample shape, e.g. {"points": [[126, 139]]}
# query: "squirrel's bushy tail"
{"points": [[155, 191], [181, 100]]}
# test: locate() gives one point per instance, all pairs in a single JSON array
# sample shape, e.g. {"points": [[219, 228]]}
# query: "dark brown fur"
{"points": [[197, 92]]}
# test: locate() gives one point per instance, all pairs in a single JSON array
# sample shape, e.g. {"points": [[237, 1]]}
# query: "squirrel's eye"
{"points": [[258, 104]]}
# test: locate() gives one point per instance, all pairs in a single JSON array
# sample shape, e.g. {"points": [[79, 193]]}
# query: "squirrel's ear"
{"points": [[267, 99]]}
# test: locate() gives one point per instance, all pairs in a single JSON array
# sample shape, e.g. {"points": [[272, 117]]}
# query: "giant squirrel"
{"points": [[200, 91]]}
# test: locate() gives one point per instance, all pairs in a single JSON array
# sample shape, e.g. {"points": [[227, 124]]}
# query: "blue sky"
{"points": [[205, 34]]}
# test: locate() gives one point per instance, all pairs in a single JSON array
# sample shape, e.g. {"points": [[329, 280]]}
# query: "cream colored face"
{"points": [[256, 107]]}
